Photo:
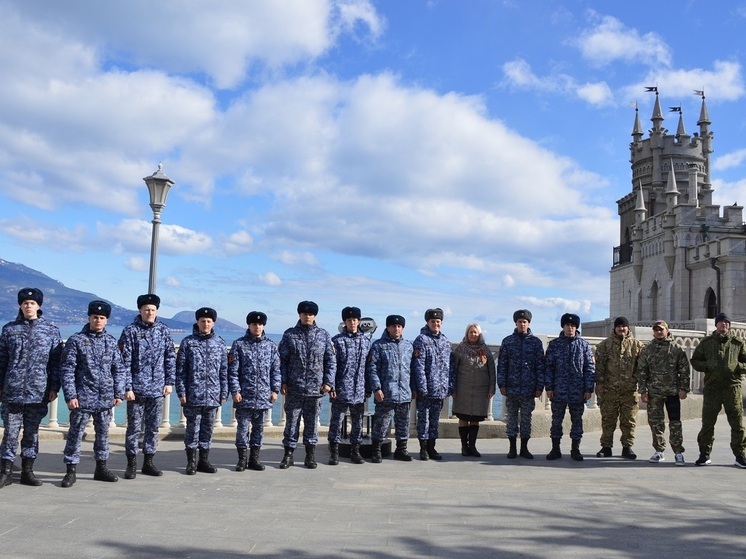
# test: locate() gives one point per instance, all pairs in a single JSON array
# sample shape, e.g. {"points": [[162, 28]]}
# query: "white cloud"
{"points": [[34, 232], [171, 281], [723, 82], [729, 160], [610, 40], [136, 264], [296, 258], [270, 278], [134, 235], [238, 243]]}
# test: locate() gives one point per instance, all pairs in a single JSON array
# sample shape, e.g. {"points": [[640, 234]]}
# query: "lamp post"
{"points": [[158, 186]]}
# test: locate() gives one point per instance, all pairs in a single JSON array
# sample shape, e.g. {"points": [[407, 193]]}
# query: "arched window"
{"points": [[654, 301], [711, 303]]}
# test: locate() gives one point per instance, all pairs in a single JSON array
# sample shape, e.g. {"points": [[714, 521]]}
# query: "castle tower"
{"points": [[679, 258]]}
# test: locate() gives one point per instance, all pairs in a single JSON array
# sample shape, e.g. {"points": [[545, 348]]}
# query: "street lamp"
{"points": [[158, 186]]}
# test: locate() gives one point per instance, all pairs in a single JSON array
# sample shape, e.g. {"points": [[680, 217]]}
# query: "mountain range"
{"points": [[63, 305]]}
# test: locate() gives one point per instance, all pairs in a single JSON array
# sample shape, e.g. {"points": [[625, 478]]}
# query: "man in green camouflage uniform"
{"points": [[616, 387], [664, 375], [722, 358]]}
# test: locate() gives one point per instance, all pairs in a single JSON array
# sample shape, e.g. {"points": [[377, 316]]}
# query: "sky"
{"points": [[395, 156]]}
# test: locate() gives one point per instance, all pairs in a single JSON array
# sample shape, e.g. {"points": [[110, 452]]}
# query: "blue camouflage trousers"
{"points": [[15, 417], [428, 417], [307, 407], [143, 416], [515, 406], [385, 411], [337, 417], [244, 416], [200, 422], [576, 418], [78, 420]]}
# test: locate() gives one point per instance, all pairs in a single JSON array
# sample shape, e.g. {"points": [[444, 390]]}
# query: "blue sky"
{"points": [[385, 154]]}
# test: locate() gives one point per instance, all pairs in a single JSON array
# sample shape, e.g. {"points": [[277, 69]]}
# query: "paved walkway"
{"points": [[458, 508]]}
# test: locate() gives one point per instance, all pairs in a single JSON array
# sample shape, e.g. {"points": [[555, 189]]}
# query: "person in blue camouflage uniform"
{"points": [[722, 358], [520, 378], [92, 375], [664, 378], [254, 381], [30, 350], [569, 378], [351, 347], [308, 367], [202, 386], [388, 377], [431, 363], [150, 360]]}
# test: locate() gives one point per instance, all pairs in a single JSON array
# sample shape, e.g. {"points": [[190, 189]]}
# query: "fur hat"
{"points": [[32, 294], [351, 312], [569, 318], [434, 313], [308, 307], [206, 312], [148, 299], [395, 319], [101, 308], [256, 317], [522, 313]]}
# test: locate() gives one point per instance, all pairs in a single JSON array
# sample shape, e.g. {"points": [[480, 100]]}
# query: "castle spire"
{"points": [[704, 117], [657, 117]]}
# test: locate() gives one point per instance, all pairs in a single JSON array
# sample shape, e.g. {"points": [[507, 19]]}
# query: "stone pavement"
{"points": [[458, 508]]}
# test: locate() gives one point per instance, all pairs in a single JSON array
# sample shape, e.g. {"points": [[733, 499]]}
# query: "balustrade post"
{"points": [[166, 422], [53, 410]]}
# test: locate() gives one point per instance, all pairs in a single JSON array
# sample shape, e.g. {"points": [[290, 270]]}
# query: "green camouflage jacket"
{"points": [[616, 362], [722, 359], [663, 368]]}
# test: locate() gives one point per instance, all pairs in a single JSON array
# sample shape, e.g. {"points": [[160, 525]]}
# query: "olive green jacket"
{"points": [[722, 359]]}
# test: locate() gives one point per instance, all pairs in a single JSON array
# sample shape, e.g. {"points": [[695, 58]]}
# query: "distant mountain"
{"points": [[63, 305]]}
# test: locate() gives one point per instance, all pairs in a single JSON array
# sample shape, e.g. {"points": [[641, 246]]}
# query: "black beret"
{"points": [[101, 308], [256, 317], [621, 321], [206, 312], [308, 307], [433, 313], [569, 318], [30, 294], [395, 319], [148, 299], [351, 312], [522, 313], [718, 318]]}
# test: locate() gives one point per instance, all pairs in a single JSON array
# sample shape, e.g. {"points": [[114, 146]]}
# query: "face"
{"points": [[256, 329], [97, 322], [621, 331], [148, 313], [570, 330], [205, 324], [472, 335], [352, 324], [29, 309], [306, 318], [660, 333], [723, 327], [434, 325], [395, 331], [522, 325]]}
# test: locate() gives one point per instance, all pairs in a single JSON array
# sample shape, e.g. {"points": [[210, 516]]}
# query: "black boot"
{"points": [[605, 452], [69, 479], [310, 461], [148, 468], [376, 453], [423, 450], [254, 463], [513, 452], [287, 459], [6, 472], [463, 432], [131, 471], [355, 455], [473, 432], [102, 473], [401, 452], [555, 453], [191, 467], [27, 473], [431, 452], [333, 454], [203, 465], [524, 449], [575, 451], [242, 459], [628, 453]]}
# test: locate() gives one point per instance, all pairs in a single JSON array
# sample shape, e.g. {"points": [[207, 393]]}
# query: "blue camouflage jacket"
{"points": [[92, 370], [149, 358], [431, 364], [569, 369], [202, 369], [520, 365], [30, 352], [352, 352], [254, 371], [307, 360], [389, 369]]}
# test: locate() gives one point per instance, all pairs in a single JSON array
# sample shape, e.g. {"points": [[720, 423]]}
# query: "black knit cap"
{"points": [[718, 318], [30, 294], [351, 312], [569, 318], [98, 307], [395, 319], [621, 321], [308, 307], [148, 299], [522, 314], [256, 317], [433, 313], [206, 312]]}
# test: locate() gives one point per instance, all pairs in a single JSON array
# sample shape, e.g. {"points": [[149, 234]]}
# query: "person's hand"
{"points": [[645, 397], [129, 396], [378, 395], [284, 390], [73, 404], [237, 398]]}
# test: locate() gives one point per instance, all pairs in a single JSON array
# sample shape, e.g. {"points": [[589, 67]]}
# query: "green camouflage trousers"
{"points": [[657, 422], [714, 399], [618, 406]]}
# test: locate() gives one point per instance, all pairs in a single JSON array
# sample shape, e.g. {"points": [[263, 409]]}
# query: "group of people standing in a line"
{"points": [[96, 373]]}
